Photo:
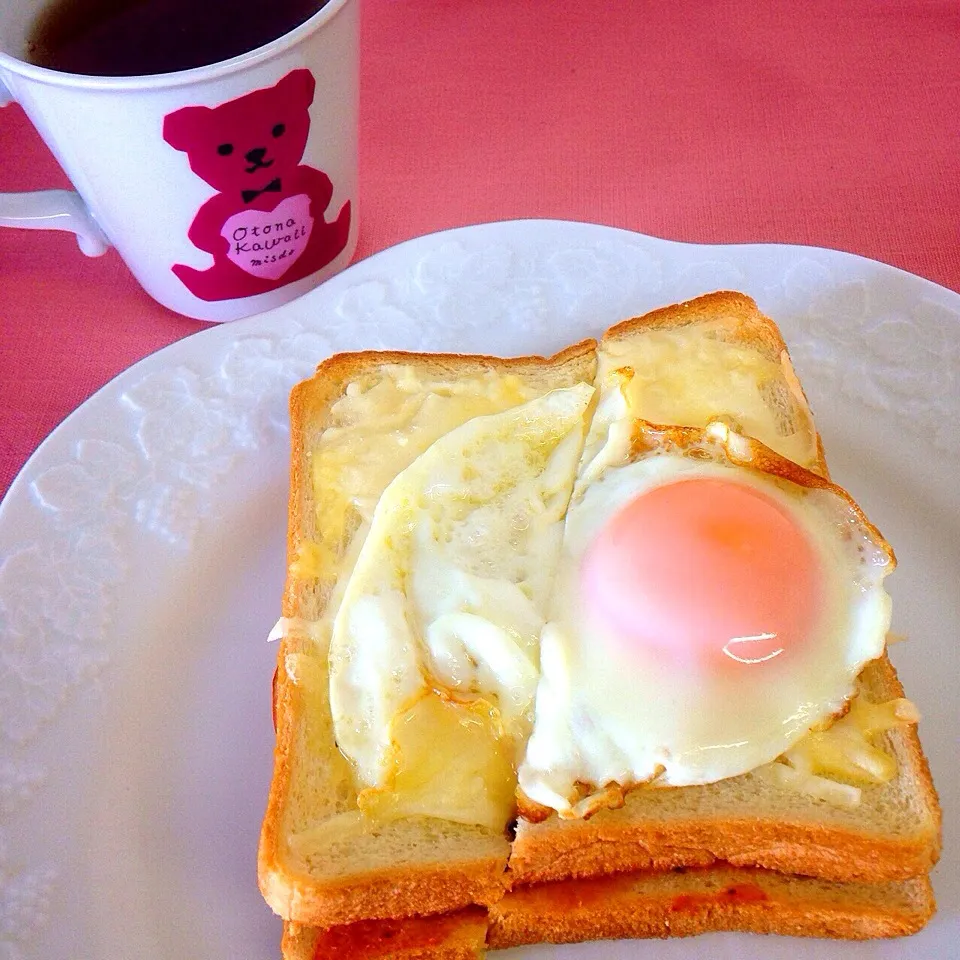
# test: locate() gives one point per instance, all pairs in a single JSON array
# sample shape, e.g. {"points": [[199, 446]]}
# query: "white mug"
{"points": [[227, 189]]}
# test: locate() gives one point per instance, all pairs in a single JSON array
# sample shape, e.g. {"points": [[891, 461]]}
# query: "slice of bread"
{"points": [[681, 904], [319, 861], [894, 833], [676, 903], [715, 356]]}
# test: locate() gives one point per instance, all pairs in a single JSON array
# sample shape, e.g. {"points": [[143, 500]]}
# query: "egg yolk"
{"points": [[705, 568]]}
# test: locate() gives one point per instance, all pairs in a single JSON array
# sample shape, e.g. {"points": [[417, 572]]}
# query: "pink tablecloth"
{"points": [[819, 123]]}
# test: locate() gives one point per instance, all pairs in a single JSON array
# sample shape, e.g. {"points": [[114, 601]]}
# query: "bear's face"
{"points": [[246, 143]]}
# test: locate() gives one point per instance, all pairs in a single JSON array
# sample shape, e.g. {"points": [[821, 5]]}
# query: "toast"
{"points": [[713, 357], [316, 864], [751, 820], [320, 862], [675, 903], [681, 904]]}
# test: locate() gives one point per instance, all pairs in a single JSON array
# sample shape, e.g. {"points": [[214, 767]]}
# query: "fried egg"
{"points": [[434, 648], [713, 602]]}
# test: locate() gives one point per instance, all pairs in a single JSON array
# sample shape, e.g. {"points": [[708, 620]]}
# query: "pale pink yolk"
{"points": [[706, 568]]}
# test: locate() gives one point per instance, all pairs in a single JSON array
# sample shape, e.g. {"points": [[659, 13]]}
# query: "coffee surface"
{"points": [[127, 38]]}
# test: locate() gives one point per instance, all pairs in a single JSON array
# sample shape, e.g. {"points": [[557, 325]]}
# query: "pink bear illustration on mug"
{"points": [[265, 227]]}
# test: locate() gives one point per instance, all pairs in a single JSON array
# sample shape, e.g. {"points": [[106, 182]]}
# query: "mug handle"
{"points": [[51, 210]]}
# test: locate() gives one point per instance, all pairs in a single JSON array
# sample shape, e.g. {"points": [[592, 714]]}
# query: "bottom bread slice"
{"points": [[678, 903], [682, 903]]}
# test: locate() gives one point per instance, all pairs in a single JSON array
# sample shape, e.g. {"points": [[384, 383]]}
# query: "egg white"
{"points": [[451, 585], [607, 714]]}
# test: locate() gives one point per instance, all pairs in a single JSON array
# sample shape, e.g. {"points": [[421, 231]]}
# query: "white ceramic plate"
{"points": [[142, 560]]}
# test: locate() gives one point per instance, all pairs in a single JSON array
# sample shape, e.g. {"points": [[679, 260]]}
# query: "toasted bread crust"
{"points": [[409, 890], [742, 320]]}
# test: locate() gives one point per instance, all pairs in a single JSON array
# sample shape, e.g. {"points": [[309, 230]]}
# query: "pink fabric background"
{"points": [[821, 123]]}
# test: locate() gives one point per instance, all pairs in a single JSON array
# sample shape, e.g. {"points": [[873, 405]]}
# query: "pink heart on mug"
{"points": [[266, 243]]}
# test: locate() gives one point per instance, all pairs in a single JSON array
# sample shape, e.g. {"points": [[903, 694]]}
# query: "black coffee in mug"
{"points": [[127, 38]]}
